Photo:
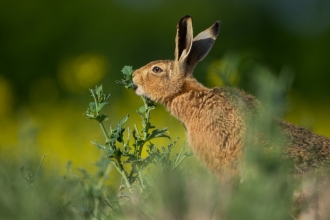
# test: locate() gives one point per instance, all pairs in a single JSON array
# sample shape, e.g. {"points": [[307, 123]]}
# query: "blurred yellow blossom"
{"points": [[82, 72], [223, 72]]}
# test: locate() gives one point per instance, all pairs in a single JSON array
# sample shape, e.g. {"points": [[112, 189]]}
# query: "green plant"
{"points": [[127, 149]]}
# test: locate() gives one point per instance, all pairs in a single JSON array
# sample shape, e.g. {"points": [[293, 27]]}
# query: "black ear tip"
{"points": [[217, 24], [216, 28], [184, 18]]}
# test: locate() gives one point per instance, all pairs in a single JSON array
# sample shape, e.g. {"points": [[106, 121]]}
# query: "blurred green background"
{"points": [[52, 52]]}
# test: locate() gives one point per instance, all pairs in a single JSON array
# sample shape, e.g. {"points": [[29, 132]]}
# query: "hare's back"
{"points": [[243, 102], [307, 149]]}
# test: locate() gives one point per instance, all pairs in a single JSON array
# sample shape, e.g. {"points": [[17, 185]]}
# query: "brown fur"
{"points": [[216, 119], [307, 150]]}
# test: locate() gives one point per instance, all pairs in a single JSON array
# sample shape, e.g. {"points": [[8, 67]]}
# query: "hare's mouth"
{"points": [[134, 87], [139, 90]]}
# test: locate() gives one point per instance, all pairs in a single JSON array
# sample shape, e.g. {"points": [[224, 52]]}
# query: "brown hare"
{"points": [[216, 120]]}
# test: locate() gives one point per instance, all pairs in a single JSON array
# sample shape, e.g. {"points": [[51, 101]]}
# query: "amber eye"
{"points": [[156, 69]]}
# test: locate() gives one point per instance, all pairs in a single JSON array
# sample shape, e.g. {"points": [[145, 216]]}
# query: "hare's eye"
{"points": [[156, 69]]}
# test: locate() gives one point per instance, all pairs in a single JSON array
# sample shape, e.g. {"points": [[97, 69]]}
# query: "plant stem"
{"points": [[105, 174], [42, 160], [146, 117], [141, 179], [95, 211], [145, 128], [122, 172], [179, 162], [97, 113], [106, 135], [176, 159]]}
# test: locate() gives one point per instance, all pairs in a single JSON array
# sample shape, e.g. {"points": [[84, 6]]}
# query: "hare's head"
{"points": [[163, 79]]}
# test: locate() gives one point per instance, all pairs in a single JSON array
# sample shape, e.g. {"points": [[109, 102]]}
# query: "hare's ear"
{"points": [[183, 41], [201, 46]]}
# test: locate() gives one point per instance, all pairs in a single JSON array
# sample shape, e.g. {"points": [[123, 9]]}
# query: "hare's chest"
{"points": [[217, 155], [216, 141]]}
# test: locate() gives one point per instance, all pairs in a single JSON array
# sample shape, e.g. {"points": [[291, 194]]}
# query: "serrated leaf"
{"points": [[110, 152], [101, 105], [127, 71], [127, 80], [99, 90], [158, 133], [122, 121], [129, 85], [106, 96], [98, 145]]}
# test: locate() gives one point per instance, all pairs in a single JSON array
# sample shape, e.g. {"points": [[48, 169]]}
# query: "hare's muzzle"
{"points": [[136, 78]]}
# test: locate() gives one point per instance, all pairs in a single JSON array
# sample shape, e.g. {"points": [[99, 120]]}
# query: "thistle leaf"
{"points": [[127, 71], [158, 133]]}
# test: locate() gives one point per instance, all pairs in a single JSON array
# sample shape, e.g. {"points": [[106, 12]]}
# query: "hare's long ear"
{"points": [[201, 46], [183, 41]]}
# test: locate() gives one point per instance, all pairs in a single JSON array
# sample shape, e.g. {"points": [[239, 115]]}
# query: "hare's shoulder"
{"points": [[237, 98]]}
